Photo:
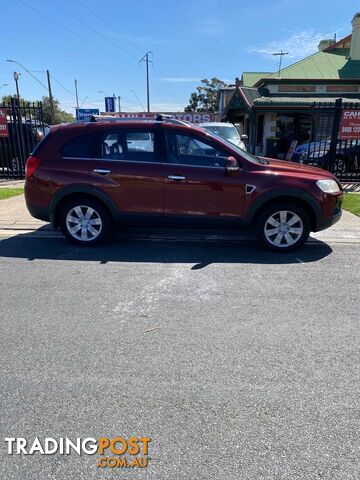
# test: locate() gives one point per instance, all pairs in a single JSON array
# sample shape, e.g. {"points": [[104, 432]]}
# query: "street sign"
{"points": [[109, 104], [84, 113], [350, 124], [4, 131]]}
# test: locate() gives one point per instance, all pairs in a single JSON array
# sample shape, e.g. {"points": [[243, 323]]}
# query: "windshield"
{"points": [[248, 156], [227, 131]]}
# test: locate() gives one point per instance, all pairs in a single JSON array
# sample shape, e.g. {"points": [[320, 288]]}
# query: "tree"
{"points": [[60, 116], [205, 99], [6, 100]]}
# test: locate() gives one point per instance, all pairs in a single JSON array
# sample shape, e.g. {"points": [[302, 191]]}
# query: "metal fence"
{"points": [[327, 149], [23, 129]]}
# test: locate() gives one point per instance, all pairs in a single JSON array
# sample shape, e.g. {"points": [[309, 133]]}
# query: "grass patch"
{"points": [[10, 192], [352, 203]]}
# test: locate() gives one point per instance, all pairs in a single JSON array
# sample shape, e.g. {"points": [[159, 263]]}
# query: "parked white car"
{"points": [[227, 131]]}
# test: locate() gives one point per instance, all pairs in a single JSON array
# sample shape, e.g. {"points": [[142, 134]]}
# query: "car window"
{"points": [[128, 145], [227, 131], [80, 147], [186, 149]]}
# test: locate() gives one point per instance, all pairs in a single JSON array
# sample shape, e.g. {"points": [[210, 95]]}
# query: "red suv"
{"points": [[86, 177]]}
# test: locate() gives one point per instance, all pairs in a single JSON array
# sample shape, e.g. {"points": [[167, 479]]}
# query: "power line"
{"points": [[62, 86], [109, 25], [93, 30], [28, 71], [169, 92], [72, 31]]}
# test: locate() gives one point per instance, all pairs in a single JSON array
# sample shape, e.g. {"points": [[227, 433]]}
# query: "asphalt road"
{"points": [[239, 364]]}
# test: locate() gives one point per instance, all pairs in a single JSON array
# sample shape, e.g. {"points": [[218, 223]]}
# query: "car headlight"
{"points": [[328, 186]]}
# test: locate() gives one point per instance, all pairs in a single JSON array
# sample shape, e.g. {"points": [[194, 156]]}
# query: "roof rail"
{"points": [[158, 117], [163, 117]]}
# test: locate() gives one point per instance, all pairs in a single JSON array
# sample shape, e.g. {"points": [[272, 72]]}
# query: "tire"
{"points": [[84, 221], [283, 227]]}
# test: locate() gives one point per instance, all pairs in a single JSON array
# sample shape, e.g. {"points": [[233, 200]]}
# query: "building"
{"points": [[274, 109]]}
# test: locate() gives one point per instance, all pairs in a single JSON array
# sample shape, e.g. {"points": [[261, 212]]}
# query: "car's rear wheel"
{"points": [[283, 227], [85, 221]]}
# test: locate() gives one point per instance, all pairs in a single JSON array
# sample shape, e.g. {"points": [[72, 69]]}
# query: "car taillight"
{"points": [[32, 163]]}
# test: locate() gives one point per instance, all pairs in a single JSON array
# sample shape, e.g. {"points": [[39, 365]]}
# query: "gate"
{"points": [[22, 127], [332, 147]]}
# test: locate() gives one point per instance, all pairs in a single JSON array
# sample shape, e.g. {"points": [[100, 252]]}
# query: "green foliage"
{"points": [[10, 192], [6, 99], [205, 99], [59, 115], [352, 203]]}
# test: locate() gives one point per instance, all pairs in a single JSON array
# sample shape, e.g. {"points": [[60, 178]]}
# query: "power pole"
{"points": [[76, 93], [280, 54], [16, 78], [52, 112], [145, 59], [119, 98]]}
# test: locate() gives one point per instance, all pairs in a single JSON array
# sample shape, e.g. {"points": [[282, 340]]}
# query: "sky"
{"points": [[100, 43]]}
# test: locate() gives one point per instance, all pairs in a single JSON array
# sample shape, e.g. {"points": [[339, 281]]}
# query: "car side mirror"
{"points": [[244, 137], [231, 165]]}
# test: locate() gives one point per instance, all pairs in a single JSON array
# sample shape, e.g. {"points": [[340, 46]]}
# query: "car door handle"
{"points": [[176, 177], [101, 171]]}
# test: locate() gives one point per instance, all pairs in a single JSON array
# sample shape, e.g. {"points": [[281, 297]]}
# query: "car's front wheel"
{"points": [[283, 227], [85, 221]]}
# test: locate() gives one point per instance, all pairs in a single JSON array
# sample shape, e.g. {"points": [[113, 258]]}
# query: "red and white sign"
{"points": [[193, 117], [350, 124], [4, 131]]}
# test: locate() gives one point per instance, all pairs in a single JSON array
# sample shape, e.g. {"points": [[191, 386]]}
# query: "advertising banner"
{"points": [[350, 124], [83, 113], [193, 117], [4, 131], [109, 104]]}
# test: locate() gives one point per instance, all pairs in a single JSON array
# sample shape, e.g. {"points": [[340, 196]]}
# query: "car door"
{"points": [[196, 181], [127, 167]]}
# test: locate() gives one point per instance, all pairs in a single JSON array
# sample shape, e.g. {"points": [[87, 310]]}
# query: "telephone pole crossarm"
{"points": [[280, 54]]}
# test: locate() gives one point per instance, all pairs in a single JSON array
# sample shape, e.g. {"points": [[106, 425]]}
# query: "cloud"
{"points": [[298, 44], [210, 26], [180, 79]]}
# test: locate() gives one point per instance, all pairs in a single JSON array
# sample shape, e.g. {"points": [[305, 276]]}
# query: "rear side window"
{"points": [[128, 145], [80, 147], [40, 145]]}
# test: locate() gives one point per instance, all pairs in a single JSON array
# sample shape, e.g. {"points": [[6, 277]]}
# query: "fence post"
{"points": [[334, 134]]}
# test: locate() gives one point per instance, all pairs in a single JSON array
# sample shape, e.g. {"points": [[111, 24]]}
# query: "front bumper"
{"points": [[327, 222]]}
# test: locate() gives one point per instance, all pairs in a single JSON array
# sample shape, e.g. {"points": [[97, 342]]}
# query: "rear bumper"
{"points": [[39, 212]]}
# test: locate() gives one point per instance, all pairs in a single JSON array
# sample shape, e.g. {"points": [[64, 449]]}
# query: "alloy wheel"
{"points": [[283, 229], [84, 223]]}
